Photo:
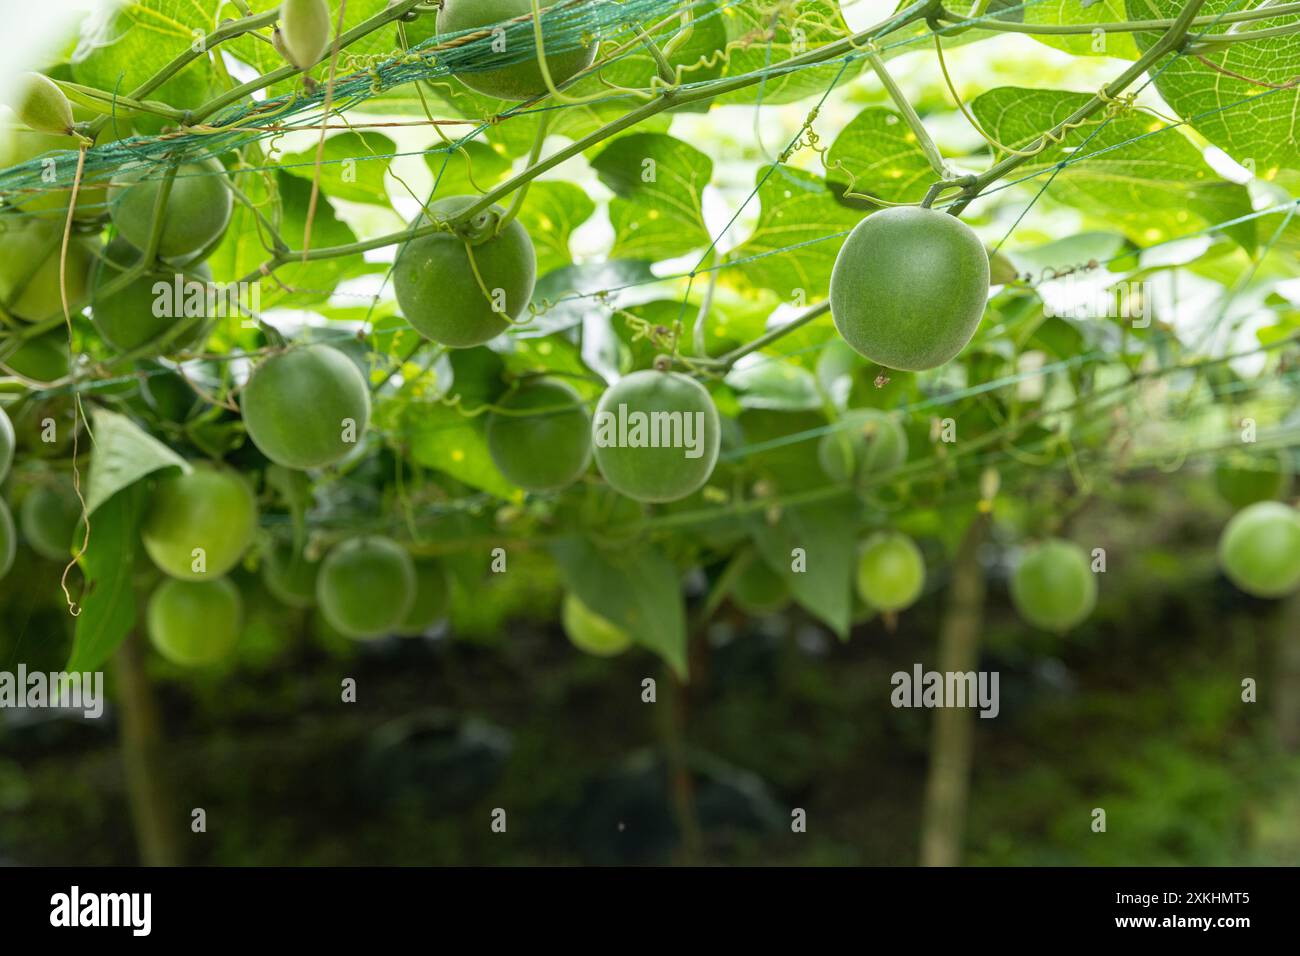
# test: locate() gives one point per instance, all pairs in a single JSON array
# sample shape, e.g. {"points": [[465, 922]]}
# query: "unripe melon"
{"points": [[1259, 549], [193, 623], [49, 516], [541, 437], [30, 287], [1243, 479], [866, 441], [520, 78], [590, 632], [196, 214], [759, 591], [305, 30], [909, 287], [7, 439], [1053, 587], [366, 587], [891, 571], [290, 576], [139, 313], [44, 358], [201, 520], [656, 436], [8, 539], [306, 407], [463, 294]]}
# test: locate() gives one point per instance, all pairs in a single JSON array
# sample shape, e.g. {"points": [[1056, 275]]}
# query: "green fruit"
{"points": [[1053, 587], [43, 359], [8, 539], [170, 396], [290, 577], [521, 77], [366, 587], [193, 623], [307, 407], [590, 632], [207, 509], [891, 571], [438, 287], [18, 146], [1243, 478], [197, 211], [1259, 549], [305, 31], [147, 307], [49, 516], [432, 599], [759, 591], [29, 268], [909, 287], [546, 445], [640, 434], [41, 105], [866, 442]]}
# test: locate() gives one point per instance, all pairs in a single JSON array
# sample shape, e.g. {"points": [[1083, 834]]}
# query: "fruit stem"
{"points": [[666, 72], [543, 124], [927, 144], [725, 362]]}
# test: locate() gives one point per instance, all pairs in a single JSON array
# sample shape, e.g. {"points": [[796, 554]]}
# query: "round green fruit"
{"points": [[148, 307], [49, 516], [366, 587], [1259, 549], [866, 442], [1243, 479], [42, 105], [891, 571], [1053, 587], [759, 591], [204, 519], [307, 407], [305, 27], [520, 78], [909, 287], [193, 623], [541, 437], [42, 359], [432, 599], [590, 632], [290, 577], [656, 436], [18, 146], [197, 211], [7, 439], [29, 269], [8, 539], [438, 286]]}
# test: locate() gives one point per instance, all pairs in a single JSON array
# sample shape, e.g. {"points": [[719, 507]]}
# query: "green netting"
{"points": [[566, 27]]}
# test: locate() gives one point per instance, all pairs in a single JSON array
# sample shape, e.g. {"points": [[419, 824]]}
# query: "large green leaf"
{"points": [[108, 602], [353, 166], [553, 210], [124, 453], [635, 587], [877, 154], [1148, 180], [1078, 12], [827, 535], [800, 229], [658, 184], [1253, 122], [440, 437]]}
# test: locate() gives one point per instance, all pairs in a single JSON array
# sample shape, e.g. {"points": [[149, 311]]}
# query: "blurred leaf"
{"points": [[108, 603], [829, 543], [765, 382], [124, 453], [553, 210], [353, 166]]}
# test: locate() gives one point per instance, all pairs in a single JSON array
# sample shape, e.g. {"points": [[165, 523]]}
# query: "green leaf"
{"points": [[108, 607], [1253, 123], [877, 154], [799, 232], [563, 294], [353, 166], [635, 587], [124, 453], [827, 536], [121, 47], [765, 382], [1076, 12], [442, 438], [658, 184], [758, 37], [1144, 178], [553, 210], [474, 167]]}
